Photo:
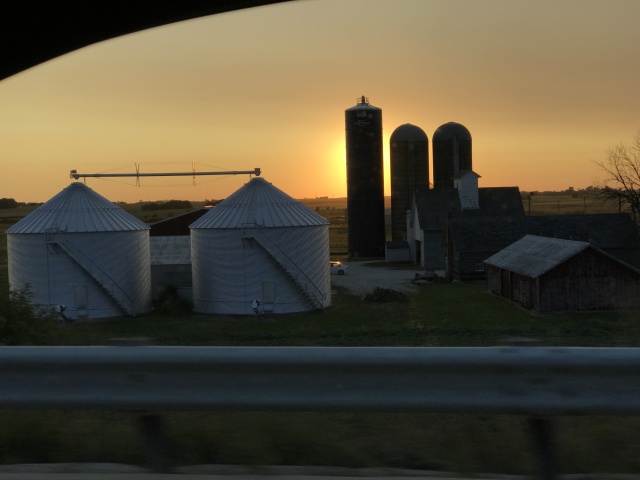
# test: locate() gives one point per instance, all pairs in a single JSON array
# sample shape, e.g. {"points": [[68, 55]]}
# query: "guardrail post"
{"points": [[542, 436], [152, 429]]}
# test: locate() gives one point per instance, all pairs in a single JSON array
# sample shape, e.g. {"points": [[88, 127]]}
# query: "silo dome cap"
{"points": [[408, 132], [451, 130], [363, 104]]}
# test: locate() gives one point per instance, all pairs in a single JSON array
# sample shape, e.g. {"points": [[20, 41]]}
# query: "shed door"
{"points": [[505, 283]]}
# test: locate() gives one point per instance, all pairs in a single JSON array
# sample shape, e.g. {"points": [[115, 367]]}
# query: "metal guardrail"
{"points": [[515, 380], [537, 382]]}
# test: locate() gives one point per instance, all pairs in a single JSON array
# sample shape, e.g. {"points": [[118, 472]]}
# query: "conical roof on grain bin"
{"points": [[78, 209], [258, 203]]}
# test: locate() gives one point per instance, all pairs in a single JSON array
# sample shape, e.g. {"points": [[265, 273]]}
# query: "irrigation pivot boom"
{"points": [[74, 174]]}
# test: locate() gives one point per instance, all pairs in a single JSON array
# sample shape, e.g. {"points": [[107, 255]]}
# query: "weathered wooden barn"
{"points": [[469, 241], [554, 275]]}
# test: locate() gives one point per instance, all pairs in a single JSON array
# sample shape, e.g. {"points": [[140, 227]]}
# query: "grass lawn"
{"points": [[455, 314]]}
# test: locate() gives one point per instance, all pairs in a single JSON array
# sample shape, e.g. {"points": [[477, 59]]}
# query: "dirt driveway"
{"points": [[363, 277]]}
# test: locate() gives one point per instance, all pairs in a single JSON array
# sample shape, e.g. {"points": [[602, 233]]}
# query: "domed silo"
{"points": [[409, 150], [83, 252], [451, 153], [260, 244], [365, 180]]}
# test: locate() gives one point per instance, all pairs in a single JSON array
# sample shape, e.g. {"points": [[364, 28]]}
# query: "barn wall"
{"points": [[519, 288], [589, 281], [464, 265], [434, 251], [523, 290], [493, 278]]}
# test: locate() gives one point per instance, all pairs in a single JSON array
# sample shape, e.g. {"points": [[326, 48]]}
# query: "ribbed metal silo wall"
{"points": [[365, 181], [409, 170], [54, 278], [230, 268], [44, 265]]}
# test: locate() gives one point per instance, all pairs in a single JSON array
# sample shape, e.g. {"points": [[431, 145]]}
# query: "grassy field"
{"points": [[457, 314]]}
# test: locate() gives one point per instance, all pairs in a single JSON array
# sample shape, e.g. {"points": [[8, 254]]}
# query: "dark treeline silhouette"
{"points": [[591, 190], [168, 205], [7, 203]]}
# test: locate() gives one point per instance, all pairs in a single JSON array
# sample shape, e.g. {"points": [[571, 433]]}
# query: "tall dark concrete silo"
{"points": [[409, 150], [451, 153], [365, 180]]}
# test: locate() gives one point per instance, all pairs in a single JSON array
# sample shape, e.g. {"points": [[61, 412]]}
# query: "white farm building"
{"points": [[83, 252], [260, 244]]}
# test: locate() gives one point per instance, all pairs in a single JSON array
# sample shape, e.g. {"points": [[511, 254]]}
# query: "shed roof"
{"points": [[258, 203], [78, 209], [534, 256]]}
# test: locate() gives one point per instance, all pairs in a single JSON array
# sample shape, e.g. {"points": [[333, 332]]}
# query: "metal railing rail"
{"points": [[536, 382], [514, 380]]}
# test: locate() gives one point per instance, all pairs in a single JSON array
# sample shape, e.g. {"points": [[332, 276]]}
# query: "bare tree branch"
{"points": [[622, 181]]}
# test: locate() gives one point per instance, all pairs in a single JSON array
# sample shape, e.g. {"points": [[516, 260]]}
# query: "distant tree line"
{"points": [[168, 205], [7, 203], [581, 192]]}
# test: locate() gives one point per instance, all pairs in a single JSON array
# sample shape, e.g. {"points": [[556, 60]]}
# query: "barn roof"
{"points": [[258, 203], [500, 201], [436, 206], [534, 256], [176, 225], [608, 231], [78, 209]]}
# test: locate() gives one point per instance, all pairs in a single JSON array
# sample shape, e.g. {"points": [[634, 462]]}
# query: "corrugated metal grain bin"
{"points": [[260, 245], [83, 252]]}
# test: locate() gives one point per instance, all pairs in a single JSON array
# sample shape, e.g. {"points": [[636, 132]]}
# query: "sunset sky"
{"points": [[544, 87]]}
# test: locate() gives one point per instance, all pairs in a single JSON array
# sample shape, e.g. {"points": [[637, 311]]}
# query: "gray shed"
{"points": [[554, 275]]}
